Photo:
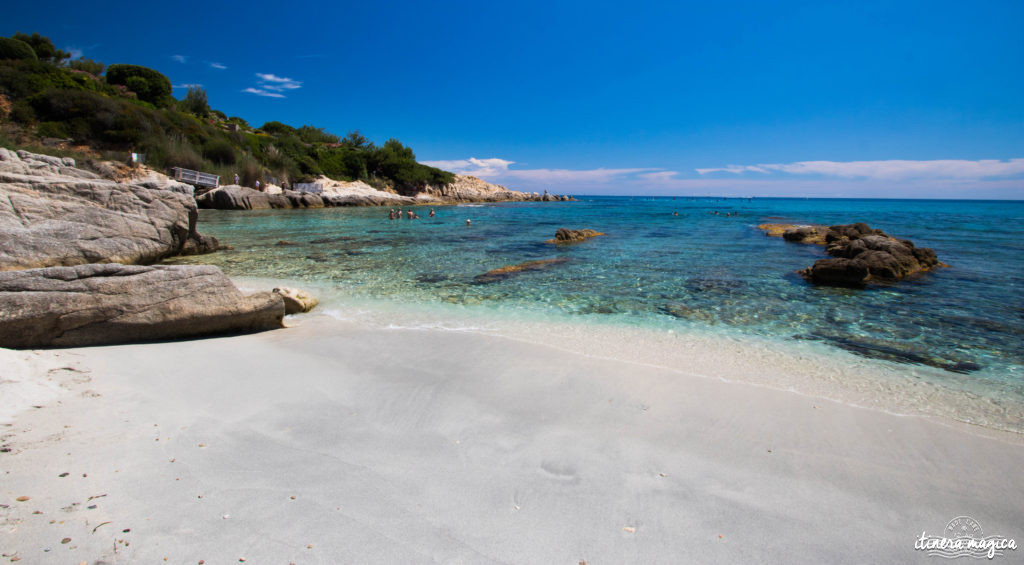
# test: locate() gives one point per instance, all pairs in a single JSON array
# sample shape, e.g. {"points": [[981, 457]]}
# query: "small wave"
{"points": [[427, 326]]}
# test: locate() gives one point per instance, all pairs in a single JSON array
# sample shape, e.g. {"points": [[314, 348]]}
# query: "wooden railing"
{"points": [[195, 178]]}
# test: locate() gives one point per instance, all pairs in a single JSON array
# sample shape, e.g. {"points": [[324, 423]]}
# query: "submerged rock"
{"points": [[564, 235], [296, 301], [113, 303], [509, 270], [54, 214]]}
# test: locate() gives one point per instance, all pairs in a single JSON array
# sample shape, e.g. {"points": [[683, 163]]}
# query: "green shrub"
{"points": [[195, 102], [52, 129], [11, 48], [219, 151], [277, 128], [87, 66], [21, 112], [43, 47], [150, 85]]}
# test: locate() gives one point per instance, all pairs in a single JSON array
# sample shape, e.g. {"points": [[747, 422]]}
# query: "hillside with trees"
{"points": [[48, 98]]}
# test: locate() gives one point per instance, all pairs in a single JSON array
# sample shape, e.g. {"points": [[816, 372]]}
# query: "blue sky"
{"points": [[872, 99]]}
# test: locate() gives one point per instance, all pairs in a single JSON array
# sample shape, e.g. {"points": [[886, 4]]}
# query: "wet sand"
{"points": [[333, 442]]}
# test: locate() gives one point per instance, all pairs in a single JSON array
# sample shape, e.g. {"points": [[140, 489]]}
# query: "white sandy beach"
{"points": [[334, 442]]}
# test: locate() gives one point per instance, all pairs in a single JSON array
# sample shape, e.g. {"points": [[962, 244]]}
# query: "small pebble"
{"points": [[66, 540], [22, 498]]}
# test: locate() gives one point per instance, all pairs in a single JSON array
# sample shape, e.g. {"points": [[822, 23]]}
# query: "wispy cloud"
{"points": [[495, 168], [218, 66], [273, 86], [868, 179], [179, 58], [188, 85], [260, 92], [74, 51], [483, 168], [885, 170], [274, 82]]}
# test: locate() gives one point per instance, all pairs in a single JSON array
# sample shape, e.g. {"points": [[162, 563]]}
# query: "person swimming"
{"points": [[468, 222], [431, 212]]}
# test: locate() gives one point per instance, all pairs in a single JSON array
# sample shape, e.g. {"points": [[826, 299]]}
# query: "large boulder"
{"points": [[234, 197], [114, 303], [55, 214], [861, 255], [296, 301]]}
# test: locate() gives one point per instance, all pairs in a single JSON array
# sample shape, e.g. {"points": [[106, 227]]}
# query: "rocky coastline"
{"points": [[74, 250], [357, 193]]}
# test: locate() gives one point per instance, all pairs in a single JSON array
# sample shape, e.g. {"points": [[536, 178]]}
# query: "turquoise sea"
{"points": [[696, 272]]}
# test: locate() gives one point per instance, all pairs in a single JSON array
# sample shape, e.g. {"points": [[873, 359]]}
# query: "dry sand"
{"points": [[333, 442]]}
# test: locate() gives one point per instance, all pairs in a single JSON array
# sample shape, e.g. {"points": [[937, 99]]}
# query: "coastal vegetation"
{"points": [[48, 99]]}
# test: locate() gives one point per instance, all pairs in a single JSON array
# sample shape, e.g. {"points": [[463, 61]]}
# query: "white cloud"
{"points": [[259, 92], [274, 82], [74, 51], [179, 58], [473, 166], [272, 86], [495, 169], [188, 85], [218, 66], [570, 176], [886, 170]]}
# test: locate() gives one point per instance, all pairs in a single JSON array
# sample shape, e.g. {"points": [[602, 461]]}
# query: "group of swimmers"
{"points": [[409, 214], [715, 212]]}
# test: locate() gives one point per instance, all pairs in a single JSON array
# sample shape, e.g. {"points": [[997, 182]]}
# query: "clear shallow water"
{"points": [[696, 272]]}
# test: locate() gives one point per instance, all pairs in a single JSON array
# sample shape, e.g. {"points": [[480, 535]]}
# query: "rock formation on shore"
{"points": [[565, 235], [859, 254], [296, 301], [357, 193], [113, 303], [55, 214]]}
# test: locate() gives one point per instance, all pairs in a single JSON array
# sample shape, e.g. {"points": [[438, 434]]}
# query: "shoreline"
{"points": [[336, 441], [812, 369]]}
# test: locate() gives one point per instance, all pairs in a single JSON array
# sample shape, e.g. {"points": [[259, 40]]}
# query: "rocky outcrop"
{"points": [[797, 233], [114, 303], [564, 235], [55, 214], [859, 253], [500, 273], [357, 193], [296, 301], [466, 188]]}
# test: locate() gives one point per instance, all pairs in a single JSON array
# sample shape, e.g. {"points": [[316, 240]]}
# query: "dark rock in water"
{"points": [[501, 273], [202, 244], [283, 243], [859, 254], [684, 312], [113, 303], [711, 285], [838, 272], [894, 351], [337, 239], [564, 235], [54, 214], [431, 278]]}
